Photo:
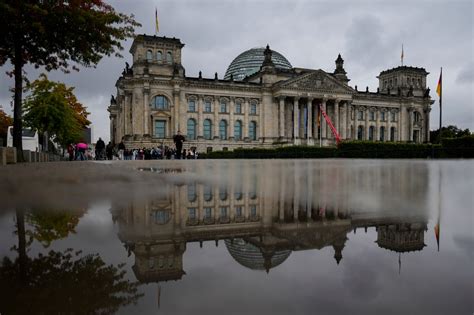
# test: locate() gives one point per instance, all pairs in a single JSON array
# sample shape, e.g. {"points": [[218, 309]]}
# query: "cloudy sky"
{"points": [[310, 34]]}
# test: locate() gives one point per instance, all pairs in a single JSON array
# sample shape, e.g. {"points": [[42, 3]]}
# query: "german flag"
{"points": [[157, 26], [440, 81]]}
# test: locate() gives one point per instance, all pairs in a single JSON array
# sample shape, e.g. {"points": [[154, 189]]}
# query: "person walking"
{"points": [[178, 141], [121, 149], [99, 149], [109, 151]]}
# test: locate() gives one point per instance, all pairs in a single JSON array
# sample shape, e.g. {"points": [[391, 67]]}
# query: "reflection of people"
{"points": [[178, 141]]}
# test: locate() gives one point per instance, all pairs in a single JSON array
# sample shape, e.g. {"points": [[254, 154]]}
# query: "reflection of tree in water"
{"points": [[62, 282], [52, 225]]}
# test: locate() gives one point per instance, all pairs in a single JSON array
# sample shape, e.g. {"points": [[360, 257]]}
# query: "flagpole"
{"points": [[440, 104]]}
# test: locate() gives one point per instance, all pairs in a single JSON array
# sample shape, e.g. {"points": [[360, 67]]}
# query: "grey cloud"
{"points": [[466, 75]]}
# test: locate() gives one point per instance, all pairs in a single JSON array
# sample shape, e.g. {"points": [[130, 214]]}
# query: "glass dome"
{"points": [[250, 256], [250, 61]]}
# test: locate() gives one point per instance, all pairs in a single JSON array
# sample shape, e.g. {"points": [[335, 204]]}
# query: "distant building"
{"points": [[262, 101]]}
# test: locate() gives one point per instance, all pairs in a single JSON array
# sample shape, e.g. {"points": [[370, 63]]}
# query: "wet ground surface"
{"points": [[237, 237]]}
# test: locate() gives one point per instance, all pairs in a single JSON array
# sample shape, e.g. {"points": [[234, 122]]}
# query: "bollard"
{"points": [[11, 156], [27, 156], [3, 156]]}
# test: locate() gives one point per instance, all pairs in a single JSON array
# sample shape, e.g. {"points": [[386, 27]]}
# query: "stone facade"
{"points": [[271, 107]]}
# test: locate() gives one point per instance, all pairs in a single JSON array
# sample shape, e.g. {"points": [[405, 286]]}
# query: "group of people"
{"points": [[81, 151]]}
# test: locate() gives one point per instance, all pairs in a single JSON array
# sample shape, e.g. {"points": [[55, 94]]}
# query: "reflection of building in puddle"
{"points": [[261, 219]]}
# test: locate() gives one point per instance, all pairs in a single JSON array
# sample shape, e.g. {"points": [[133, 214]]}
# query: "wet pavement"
{"points": [[237, 237]]}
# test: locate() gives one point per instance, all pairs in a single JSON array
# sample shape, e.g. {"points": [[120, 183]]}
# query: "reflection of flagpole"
{"points": [[437, 226], [158, 294], [399, 262]]}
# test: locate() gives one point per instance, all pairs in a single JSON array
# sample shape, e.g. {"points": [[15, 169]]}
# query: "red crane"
{"points": [[333, 129]]}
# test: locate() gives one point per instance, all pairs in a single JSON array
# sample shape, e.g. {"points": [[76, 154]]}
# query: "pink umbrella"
{"points": [[82, 145]]}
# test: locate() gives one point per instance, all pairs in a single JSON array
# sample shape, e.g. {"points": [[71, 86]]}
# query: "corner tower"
{"points": [[157, 55]]}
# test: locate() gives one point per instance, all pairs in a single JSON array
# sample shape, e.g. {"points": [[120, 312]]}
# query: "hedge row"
{"points": [[450, 148]]}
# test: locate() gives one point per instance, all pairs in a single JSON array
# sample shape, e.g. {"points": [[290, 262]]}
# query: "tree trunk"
{"points": [[17, 111]]}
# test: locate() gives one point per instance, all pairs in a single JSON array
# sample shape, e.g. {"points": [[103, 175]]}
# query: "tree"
{"points": [[52, 107], [54, 33], [448, 132], [5, 122], [61, 282]]}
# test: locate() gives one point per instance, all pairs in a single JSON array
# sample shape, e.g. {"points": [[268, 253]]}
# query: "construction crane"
{"points": [[333, 129]]}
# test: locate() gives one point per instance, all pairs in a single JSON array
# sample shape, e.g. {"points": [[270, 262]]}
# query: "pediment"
{"points": [[317, 80]]}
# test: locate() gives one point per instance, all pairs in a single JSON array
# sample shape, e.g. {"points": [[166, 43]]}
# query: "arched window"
{"points": [[191, 129], [253, 130], [253, 108], [223, 193], [191, 105], [149, 55], [160, 102], [169, 57], [392, 133], [159, 56], [192, 194], [207, 129], [382, 133], [371, 133], [360, 133], [161, 216], [238, 130], [207, 193], [223, 130]]}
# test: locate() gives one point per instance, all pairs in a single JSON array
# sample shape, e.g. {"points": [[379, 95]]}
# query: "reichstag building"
{"points": [[262, 101]]}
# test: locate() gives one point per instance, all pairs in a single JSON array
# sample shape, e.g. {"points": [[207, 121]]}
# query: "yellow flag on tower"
{"points": [[157, 26]]}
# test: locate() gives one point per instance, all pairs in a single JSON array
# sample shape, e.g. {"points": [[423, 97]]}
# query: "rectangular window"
{"points": [[372, 115], [394, 116], [382, 116], [238, 108], [207, 213], [238, 211], [207, 106], [253, 109], [160, 128], [223, 107], [360, 115], [192, 213], [223, 212], [191, 106], [253, 211]]}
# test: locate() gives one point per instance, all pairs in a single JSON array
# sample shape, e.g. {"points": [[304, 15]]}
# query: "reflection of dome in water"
{"points": [[250, 61], [250, 256]]}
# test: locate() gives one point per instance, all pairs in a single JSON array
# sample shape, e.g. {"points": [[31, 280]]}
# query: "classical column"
{"points": [[348, 120], [310, 118], [410, 124], [367, 110], [231, 118], [302, 121], [246, 119], [296, 114], [177, 113], [215, 124], [282, 116], [125, 113], [336, 115], [400, 124], [323, 121], [146, 111], [200, 121], [377, 126]]}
